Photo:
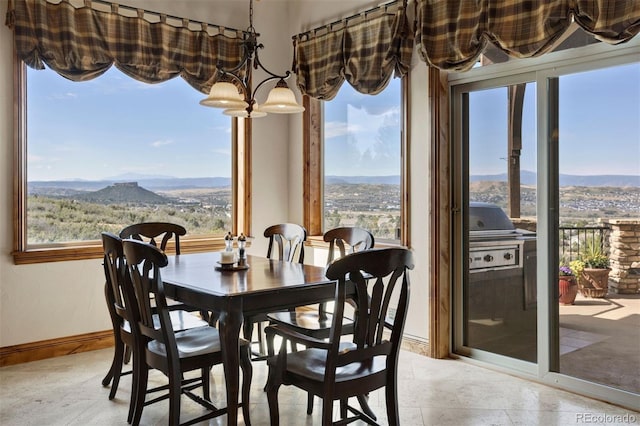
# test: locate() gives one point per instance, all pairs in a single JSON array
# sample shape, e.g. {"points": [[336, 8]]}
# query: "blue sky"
{"points": [[599, 125], [362, 132], [114, 125]]}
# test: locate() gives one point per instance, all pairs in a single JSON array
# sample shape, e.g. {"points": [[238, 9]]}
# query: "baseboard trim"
{"points": [[415, 345], [34, 351]]}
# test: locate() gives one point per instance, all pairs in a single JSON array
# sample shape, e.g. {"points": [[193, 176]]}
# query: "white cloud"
{"points": [[226, 152], [35, 159], [63, 96], [159, 143], [334, 129]]}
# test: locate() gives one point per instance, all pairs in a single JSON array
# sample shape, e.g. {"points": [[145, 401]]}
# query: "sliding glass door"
{"points": [[546, 238]]}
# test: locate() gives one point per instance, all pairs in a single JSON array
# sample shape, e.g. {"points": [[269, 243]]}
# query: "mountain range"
{"points": [[156, 183], [529, 178]]}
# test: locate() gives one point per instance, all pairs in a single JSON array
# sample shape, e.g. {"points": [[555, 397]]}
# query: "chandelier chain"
{"points": [[251, 29]]}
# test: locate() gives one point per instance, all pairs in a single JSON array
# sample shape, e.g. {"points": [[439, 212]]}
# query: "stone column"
{"points": [[624, 257]]}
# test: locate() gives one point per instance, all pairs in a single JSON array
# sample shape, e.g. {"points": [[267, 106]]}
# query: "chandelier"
{"points": [[233, 90]]}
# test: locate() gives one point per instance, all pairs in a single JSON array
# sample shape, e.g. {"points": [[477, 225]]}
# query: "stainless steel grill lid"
{"points": [[488, 217]]}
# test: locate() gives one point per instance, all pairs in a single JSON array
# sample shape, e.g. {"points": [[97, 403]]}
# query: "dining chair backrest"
{"points": [[119, 296], [347, 239], [382, 288], [289, 239], [158, 234], [116, 273], [144, 262]]}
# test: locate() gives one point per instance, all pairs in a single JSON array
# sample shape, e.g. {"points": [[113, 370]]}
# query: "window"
{"points": [[362, 170], [112, 151]]}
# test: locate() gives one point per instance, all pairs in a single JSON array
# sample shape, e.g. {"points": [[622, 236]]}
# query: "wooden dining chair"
{"points": [[317, 322], [174, 353], [286, 243], [116, 277], [335, 369], [165, 236], [158, 234]]}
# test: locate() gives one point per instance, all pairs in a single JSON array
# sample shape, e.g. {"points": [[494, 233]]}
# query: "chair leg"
{"points": [[107, 378], [175, 391], [127, 354], [391, 395], [141, 391], [116, 336], [206, 383], [272, 398], [247, 373], [327, 411], [343, 409], [247, 331], [309, 403], [135, 385], [261, 346], [270, 345], [116, 368], [364, 404]]}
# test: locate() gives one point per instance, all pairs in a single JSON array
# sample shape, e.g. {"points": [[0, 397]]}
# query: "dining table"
{"points": [[267, 285]]}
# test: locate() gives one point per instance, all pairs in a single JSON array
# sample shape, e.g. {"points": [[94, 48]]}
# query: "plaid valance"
{"points": [[363, 50], [452, 34], [81, 43]]}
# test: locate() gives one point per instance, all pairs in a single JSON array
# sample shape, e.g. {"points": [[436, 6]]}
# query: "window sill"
{"points": [[93, 250], [318, 241]]}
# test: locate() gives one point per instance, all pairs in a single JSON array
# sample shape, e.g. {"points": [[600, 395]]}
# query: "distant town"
{"points": [[58, 211]]}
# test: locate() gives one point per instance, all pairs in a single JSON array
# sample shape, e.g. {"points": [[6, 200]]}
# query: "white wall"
{"points": [[53, 300]]}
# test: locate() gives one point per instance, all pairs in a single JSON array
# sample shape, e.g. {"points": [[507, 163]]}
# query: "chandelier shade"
{"points": [[233, 89], [281, 100], [224, 95]]}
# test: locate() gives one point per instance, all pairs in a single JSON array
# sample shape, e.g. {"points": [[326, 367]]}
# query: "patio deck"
{"points": [[600, 340]]}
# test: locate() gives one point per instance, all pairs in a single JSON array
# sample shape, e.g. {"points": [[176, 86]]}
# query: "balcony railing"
{"points": [[574, 239]]}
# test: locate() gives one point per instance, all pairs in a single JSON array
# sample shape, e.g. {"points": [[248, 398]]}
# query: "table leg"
{"points": [[230, 324]]}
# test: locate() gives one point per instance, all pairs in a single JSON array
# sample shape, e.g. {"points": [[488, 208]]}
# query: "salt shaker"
{"points": [[228, 242]]}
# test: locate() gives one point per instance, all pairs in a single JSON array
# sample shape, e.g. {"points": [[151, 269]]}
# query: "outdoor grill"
{"points": [[494, 242], [501, 286]]}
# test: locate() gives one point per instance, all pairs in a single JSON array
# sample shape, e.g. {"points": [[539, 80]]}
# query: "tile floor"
{"points": [[67, 391]]}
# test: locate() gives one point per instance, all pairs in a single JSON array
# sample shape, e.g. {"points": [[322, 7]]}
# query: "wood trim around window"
{"points": [[405, 167], [241, 192], [312, 168], [440, 218]]}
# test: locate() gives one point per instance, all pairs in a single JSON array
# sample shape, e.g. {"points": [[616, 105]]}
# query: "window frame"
{"points": [[92, 249], [313, 169]]}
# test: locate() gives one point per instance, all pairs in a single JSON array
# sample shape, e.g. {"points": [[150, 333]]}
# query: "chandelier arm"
{"points": [[223, 96], [268, 79]]}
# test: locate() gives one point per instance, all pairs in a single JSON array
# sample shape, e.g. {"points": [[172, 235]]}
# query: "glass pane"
{"points": [[362, 166], [113, 151], [599, 196], [500, 288]]}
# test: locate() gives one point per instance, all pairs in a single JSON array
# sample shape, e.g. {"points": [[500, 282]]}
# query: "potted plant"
{"points": [[567, 285], [595, 273]]}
